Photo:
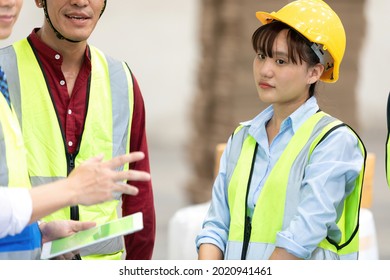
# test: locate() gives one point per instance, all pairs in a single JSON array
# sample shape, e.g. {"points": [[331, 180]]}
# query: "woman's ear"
{"points": [[315, 73]]}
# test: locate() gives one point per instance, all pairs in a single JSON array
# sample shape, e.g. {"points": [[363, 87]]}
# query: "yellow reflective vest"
{"points": [[13, 173], [255, 238], [106, 130]]}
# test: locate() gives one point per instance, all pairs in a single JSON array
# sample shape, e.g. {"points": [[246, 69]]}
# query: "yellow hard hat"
{"points": [[315, 20]]}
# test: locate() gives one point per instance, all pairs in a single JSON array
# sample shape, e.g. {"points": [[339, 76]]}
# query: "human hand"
{"points": [[62, 228], [95, 181]]}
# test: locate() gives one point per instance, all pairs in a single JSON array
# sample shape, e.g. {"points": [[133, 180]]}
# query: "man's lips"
{"points": [[77, 17]]}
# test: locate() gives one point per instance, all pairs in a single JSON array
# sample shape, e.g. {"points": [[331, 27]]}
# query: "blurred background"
{"points": [[193, 62]]}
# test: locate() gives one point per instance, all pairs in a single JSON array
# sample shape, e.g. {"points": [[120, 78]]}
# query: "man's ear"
{"points": [[38, 3], [315, 73]]}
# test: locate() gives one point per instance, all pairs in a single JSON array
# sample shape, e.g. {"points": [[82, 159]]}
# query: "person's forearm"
{"points": [[282, 254], [209, 252], [90, 183], [49, 198]]}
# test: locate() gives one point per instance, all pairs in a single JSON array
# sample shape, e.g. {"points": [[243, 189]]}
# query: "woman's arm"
{"points": [[92, 182], [209, 252]]}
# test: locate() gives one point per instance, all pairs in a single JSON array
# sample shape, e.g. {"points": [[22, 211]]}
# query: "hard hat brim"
{"points": [[265, 17]]}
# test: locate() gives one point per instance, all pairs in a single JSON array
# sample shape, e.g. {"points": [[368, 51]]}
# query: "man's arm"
{"points": [[140, 245]]}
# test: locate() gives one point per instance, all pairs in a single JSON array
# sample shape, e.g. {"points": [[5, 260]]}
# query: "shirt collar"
{"points": [[306, 110], [295, 120], [47, 53]]}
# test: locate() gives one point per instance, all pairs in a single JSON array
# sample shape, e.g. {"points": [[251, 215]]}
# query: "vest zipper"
{"points": [[74, 210], [71, 162], [247, 236]]}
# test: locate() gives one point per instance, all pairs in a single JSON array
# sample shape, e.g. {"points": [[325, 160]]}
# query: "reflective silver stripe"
{"points": [[296, 172], [121, 113], [104, 248], [261, 251], [8, 61], [234, 152], [21, 255], [120, 106], [352, 256], [37, 180], [256, 251], [4, 178]]}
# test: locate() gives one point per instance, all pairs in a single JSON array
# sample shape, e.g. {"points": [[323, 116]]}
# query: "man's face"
{"points": [[74, 19], [9, 12]]}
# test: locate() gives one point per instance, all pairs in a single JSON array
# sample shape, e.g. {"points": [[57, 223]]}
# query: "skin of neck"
{"points": [[69, 50]]}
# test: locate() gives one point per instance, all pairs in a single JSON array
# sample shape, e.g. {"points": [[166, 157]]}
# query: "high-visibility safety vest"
{"points": [[13, 173], [254, 238], [106, 130]]}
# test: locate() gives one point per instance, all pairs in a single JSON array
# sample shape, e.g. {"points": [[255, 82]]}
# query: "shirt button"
{"points": [[62, 82], [57, 56], [70, 143], [69, 112]]}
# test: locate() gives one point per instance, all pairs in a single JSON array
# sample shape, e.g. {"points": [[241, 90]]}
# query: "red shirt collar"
{"points": [[49, 54]]}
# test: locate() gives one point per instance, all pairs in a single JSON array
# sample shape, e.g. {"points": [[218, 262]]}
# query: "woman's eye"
{"points": [[261, 56], [280, 61]]}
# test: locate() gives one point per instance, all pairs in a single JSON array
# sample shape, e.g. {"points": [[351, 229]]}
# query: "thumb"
{"points": [[79, 226]]}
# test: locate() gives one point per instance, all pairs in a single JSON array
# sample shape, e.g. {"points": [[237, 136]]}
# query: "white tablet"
{"points": [[122, 226]]}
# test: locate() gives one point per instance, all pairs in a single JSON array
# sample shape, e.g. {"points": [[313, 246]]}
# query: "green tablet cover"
{"points": [[122, 226]]}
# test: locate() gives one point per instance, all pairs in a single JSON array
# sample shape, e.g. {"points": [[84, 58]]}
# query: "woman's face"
{"points": [[9, 12], [278, 80]]}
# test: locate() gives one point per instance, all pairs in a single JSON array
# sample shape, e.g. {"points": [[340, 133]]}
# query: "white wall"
{"points": [[373, 91], [374, 83]]}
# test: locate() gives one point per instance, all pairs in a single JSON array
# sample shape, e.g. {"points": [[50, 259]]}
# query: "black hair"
{"points": [[299, 48]]}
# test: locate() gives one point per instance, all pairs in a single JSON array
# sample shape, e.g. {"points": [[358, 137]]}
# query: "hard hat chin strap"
{"points": [[58, 34]]}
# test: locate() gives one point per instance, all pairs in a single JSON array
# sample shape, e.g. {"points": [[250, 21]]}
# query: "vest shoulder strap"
{"points": [[237, 140]]}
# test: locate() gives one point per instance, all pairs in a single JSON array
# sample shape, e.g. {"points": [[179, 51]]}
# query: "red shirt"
{"points": [[71, 114]]}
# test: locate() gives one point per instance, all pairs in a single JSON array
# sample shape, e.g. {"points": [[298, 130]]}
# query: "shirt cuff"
{"points": [[286, 241]]}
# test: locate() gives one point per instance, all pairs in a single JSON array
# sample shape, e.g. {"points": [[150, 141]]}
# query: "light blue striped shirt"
{"points": [[329, 178]]}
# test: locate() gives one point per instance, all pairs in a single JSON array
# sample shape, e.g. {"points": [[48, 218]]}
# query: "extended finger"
{"points": [[122, 188], [66, 256], [132, 175], [124, 159]]}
